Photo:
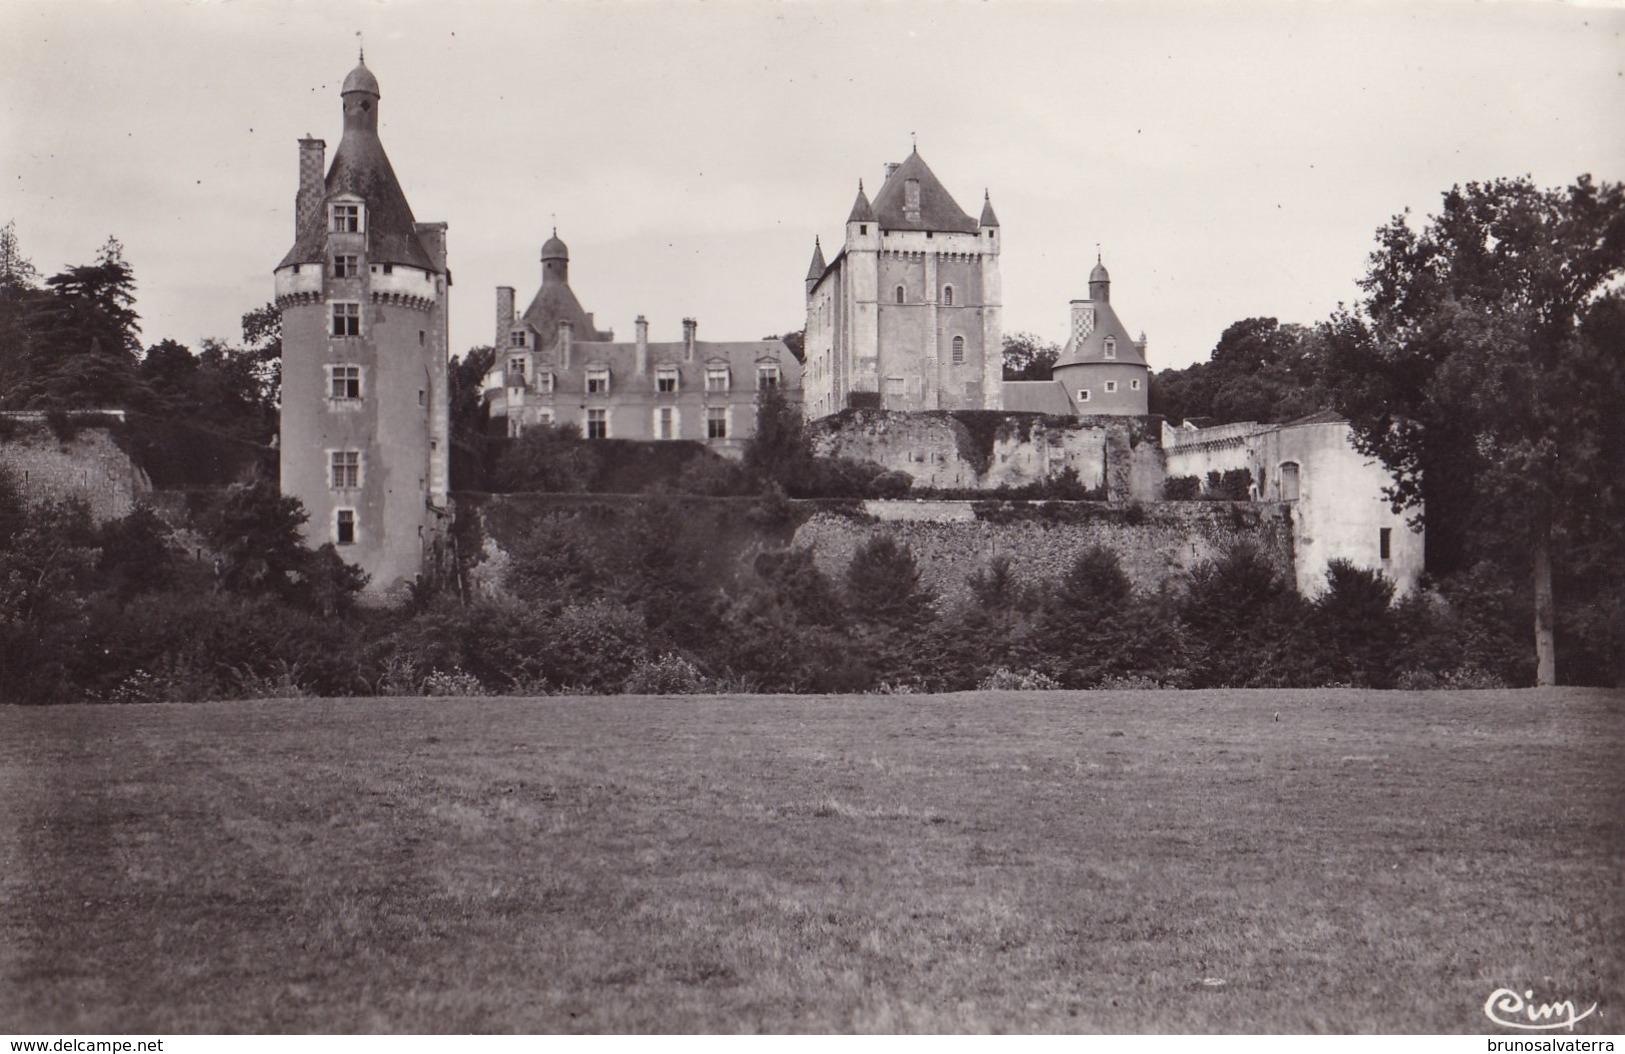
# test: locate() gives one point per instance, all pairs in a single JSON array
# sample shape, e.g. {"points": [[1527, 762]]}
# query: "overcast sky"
{"points": [[1232, 160]]}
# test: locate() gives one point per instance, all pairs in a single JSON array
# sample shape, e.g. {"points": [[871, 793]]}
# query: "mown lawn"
{"points": [[986, 861]]}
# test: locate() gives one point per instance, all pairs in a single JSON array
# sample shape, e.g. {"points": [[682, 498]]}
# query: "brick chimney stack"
{"points": [[690, 331], [641, 324], [504, 316], [312, 183], [567, 332]]}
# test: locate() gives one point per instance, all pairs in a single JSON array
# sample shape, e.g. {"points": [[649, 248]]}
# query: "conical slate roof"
{"points": [[861, 210], [938, 209], [818, 266], [361, 167], [988, 219]]}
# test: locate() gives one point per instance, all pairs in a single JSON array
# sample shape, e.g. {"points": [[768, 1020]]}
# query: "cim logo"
{"points": [[1508, 1009]]}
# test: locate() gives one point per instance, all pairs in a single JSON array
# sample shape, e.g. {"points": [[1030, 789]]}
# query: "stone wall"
{"points": [[987, 450], [76, 457], [1156, 544]]}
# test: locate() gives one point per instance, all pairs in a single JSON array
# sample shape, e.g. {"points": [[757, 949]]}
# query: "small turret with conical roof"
{"points": [[815, 270]]}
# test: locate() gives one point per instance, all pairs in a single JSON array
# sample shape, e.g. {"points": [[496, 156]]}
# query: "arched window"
{"points": [[947, 296], [959, 351], [1289, 481], [899, 294]]}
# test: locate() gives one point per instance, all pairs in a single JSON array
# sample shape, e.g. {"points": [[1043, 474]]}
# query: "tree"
{"points": [[85, 339], [795, 340], [20, 297], [262, 336], [1482, 369], [1028, 357], [1260, 370]]}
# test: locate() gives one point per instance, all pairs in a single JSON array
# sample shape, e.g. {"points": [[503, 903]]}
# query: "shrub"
{"points": [[453, 682], [1006, 679], [883, 581], [1181, 488], [670, 674]]}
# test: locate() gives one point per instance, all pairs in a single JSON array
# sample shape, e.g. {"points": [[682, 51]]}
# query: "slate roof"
{"points": [[556, 302], [1040, 397], [862, 211], [938, 209], [988, 218], [816, 270], [1093, 347], [361, 167]]}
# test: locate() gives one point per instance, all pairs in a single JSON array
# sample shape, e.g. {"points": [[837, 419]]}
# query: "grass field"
{"points": [[987, 861]]}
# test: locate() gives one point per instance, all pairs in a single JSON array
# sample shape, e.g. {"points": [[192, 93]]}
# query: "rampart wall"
{"points": [[72, 458]]}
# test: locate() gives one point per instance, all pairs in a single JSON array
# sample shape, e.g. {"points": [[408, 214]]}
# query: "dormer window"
{"points": [[344, 219], [544, 382], [598, 380], [716, 378], [767, 376], [666, 380], [517, 365], [517, 338], [1111, 347], [345, 266]]}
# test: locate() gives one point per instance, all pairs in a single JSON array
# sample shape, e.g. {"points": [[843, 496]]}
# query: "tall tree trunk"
{"points": [[1545, 644]]}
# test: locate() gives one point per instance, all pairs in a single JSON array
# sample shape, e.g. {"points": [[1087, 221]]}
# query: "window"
{"points": [[345, 267], [346, 319], [544, 383], [517, 365], [665, 423], [423, 397], [517, 338], [666, 379], [947, 296], [1385, 543], [1111, 386], [1289, 481], [346, 469], [716, 422], [895, 385], [389, 268], [344, 527], [863, 228], [1134, 385], [344, 382], [716, 378], [516, 427], [767, 376], [959, 351], [598, 380], [1111, 347], [598, 424], [346, 219], [899, 294], [544, 415], [1083, 395]]}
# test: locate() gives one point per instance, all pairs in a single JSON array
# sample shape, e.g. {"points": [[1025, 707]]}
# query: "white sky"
{"points": [[1233, 160]]}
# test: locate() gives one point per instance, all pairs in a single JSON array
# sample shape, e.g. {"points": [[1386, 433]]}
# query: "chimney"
{"points": [[642, 326], [307, 203], [504, 315], [892, 166], [1140, 346], [567, 331], [690, 329], [911, 200]]}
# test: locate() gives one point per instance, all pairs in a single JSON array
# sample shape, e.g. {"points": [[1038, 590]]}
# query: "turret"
{"points": [[360, 94], [1100, 283], [861, 228], [555, 260], [816, 269]]}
